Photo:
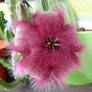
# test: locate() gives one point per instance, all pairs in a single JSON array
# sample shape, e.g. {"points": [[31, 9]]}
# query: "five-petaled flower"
{"points": [[49, 46]]}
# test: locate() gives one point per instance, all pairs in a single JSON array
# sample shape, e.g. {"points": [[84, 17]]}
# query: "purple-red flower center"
{"points": [[51, 43]]}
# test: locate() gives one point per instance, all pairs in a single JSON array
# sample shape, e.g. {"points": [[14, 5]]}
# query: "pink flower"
{"points": [[49, 47]]}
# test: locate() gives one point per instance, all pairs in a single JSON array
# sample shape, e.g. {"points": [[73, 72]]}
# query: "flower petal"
{"points": [[69, 39], [49, 22]]}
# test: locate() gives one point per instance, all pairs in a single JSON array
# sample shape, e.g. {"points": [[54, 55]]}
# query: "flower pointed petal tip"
{"points": [[49, 18], [19, 22], [3, 44], [23, 27]]}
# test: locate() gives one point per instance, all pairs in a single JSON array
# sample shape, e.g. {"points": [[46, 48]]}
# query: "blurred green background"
{"points": [[81, 7]]}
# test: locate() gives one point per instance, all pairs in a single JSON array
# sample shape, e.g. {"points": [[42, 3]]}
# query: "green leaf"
{"points": [[2, 25], [2, 20], [8, 35], [44, 5], [2, 34], [5, 34]]}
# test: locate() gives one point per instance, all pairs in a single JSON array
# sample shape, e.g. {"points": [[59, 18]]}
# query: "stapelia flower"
{"points": [[49, 46]]}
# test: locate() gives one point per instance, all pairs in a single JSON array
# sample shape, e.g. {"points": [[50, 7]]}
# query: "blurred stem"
{"points": [[70, 11], [13, 10], [8, 86], [5, 63], [70, 15], [44, 4]]}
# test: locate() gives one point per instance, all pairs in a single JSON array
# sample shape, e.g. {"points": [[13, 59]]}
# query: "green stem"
{"points": [[7, 86], [5, 63], [13, 10], [70, 15], [44, 4], [70, 11]]}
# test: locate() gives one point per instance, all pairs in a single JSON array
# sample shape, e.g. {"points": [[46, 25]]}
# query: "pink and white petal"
{"points": [[22, 66], [20, 49], [69, 38], [23, 27], [27, 32], [49, 21]]}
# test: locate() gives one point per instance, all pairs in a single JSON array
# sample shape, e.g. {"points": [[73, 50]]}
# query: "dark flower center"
{"points": [[51, 43]]}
